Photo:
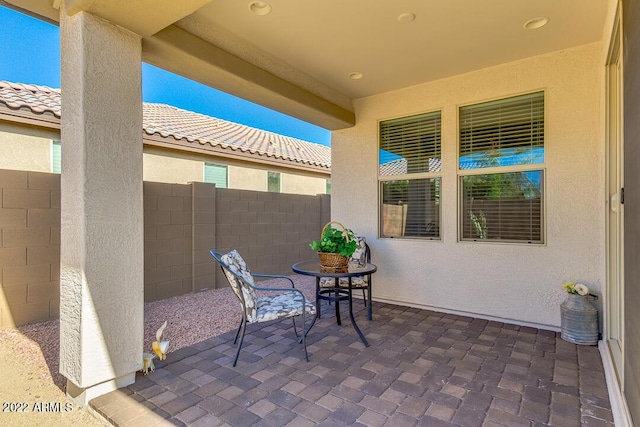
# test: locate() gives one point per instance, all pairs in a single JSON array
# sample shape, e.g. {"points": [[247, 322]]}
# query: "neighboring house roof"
{"points": [[166, 124], [399, 166], [394, 167]]}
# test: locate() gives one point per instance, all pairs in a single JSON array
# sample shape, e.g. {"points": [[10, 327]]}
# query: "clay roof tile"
{"points": [[172, 122]]}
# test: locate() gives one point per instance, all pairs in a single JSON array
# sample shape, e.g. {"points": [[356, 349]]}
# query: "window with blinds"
{"points": [[410, 145], [409, 174], [273, 182], [506, 136], [56, 156], [216, 174]]}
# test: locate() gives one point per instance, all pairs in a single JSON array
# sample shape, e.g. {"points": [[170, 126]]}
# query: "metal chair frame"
{"points": [[367, 288], [243, 321]]}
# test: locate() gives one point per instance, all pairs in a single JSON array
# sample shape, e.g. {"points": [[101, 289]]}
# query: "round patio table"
{"points": [[335, 294]]}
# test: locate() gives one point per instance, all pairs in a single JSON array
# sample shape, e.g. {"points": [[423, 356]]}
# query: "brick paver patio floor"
{"points": [[422, 369]]}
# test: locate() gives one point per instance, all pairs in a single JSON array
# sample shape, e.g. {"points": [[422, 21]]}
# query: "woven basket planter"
{"points": [[332, 261]]}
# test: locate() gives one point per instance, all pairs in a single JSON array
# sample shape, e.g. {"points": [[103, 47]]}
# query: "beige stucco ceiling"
{"points": [[297, 59], [329, 39]]}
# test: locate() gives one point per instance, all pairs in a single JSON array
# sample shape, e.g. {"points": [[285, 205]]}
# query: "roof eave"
{"points": [[29, 117], [230, 153]]}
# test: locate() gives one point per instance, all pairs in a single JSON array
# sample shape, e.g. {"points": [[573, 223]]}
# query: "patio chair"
{"points": [[361, 256], [288, 302]]}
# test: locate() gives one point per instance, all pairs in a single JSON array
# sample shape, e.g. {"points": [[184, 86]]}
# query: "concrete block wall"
{"points": [[270, 230], [204, 235], [167, 240], [29, 247], [181, 223]]}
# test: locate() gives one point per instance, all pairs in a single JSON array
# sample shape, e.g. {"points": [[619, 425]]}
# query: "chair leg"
{"points": [[364, 297], [318, 312], [295, 330], [235, 340], [370, 308], [306, 331], [243, 326], [313, 322], [304, 335], [303, 338]]}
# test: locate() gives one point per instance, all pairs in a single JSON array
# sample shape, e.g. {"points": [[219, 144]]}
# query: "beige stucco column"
{"points": [[101, 284]]}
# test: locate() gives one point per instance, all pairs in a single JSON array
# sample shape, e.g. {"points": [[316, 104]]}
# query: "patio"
{"points": [[422, 368]]}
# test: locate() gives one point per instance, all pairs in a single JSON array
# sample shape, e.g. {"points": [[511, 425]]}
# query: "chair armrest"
{"points": [[273, 276], [258, 288], [304, 299]]}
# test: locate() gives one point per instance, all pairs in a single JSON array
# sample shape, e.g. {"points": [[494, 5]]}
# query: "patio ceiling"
{"points": [[298, 58]]}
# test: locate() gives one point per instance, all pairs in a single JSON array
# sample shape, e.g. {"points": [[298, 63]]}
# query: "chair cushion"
{"points": [[356, 282], [238, 266], [360, 255], [286, 304]]}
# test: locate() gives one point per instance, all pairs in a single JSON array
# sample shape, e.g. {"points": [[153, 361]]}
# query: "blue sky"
{"points": [[30, 53]]}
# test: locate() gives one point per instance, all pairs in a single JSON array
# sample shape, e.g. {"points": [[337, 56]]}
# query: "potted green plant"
{"points": [[335, 246]]}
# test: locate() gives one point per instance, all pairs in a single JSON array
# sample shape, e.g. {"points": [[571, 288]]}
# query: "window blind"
{"points": [[410, 208], [273, 182], [410, 144], [215, 174], [504, 132], [56, 156], [503, 206]]}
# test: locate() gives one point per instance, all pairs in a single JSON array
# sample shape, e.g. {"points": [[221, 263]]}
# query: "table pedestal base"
{"points": [[336, 295]]}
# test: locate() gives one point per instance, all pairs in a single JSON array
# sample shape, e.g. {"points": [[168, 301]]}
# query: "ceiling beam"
{"points": [[143, 17], [183, 53]]}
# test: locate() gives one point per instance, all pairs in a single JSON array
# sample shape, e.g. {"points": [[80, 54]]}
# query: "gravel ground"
{"points": [[29, 355]]}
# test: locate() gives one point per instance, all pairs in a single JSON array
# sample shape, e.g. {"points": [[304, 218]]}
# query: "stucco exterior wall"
{"points": [[175, 170], [299, 184], [171, 170], [32, 153], [242, 178], [101, 240], [24, 152], [515, 282]]}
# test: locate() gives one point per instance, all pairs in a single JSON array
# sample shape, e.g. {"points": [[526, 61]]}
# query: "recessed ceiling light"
{"points": [[356, 76], [405, 18], [535, 23], [260, 7]]}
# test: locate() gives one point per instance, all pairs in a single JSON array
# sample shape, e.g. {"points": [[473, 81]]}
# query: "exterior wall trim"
{"points": [[619, 407]]}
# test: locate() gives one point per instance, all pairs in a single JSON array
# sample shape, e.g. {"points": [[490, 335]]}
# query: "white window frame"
{"points": [[204, 171], [541, 167], [56, 143], [409, 176], [279, 181]]}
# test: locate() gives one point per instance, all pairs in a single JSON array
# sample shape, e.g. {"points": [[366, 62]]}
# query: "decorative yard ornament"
{"points": [[160, 347]]}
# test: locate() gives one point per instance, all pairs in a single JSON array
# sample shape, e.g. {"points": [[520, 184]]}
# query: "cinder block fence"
{"points": [[182, 222]]}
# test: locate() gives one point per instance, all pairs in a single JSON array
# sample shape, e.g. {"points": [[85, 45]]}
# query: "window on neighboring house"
{"points": [[215, 174], [501, 170], [410, 176], [273, 182], [328, 186], [56, 156]]}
